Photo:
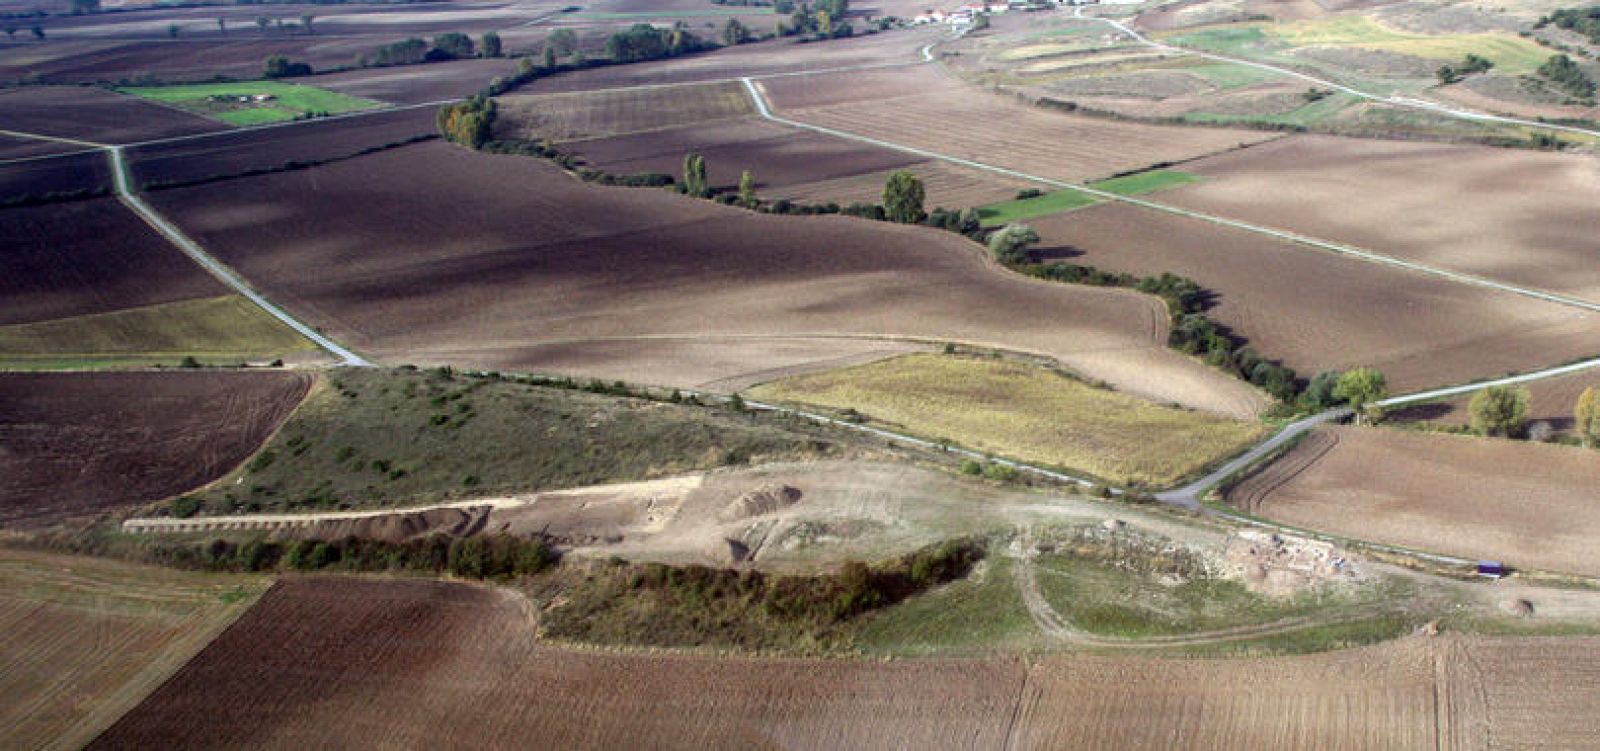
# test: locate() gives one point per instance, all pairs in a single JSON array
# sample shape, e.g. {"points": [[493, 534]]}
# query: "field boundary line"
{"points": [[190, 248], [1293, 237], [1392, 100]]}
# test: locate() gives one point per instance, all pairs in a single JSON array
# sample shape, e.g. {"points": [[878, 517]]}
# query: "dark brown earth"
{"points": [[79, 444], [95, 114], [59, 262]]}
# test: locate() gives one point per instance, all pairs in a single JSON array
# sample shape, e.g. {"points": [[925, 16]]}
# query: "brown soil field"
{"points": [[226, 154], [1318, 310], [78, 444], [1512, 215], [1526, 504], [59, 264], [478, 256], [68, 174], [949, 117], [24, 148], [416, 84], [95, 114], [598, 114], [1552, 401], [946, 185], [88, 639], [765, 59], [365, 663], [192, 58], [778, 156]]}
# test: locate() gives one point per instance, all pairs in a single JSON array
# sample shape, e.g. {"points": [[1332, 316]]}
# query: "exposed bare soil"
{"points": [[59, 263], [597, 114], [949, 117], [416, 84], [375, 663], [36, 179], [1551, 401], [1526, 504], [1513, 215], [227, 154], [479, 256], [78, 444], [1318, 310], [95, 114]]}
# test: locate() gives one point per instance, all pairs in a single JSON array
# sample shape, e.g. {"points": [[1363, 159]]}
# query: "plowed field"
{"points": [[466, 257], [564, 117], [78, 444], [95, 114], [87, 639], [954, 119], [379, 664], [1526, 504], [1318, 310], [1509, 214]]}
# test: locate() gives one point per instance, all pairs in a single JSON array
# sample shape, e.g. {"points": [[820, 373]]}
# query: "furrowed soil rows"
{"points": [[229, 154], [565, 117], [1526, 504], [59, 262], [87, 639], [1317, 310], [777, 156], [95, 115], [82, 443], [1511, 215], [368, 663], [946, 185], [308, 664], [72, 175], [950, 118], [417, 84], [482, 257]]}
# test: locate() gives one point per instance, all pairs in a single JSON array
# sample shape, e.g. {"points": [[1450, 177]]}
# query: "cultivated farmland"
{"points": [[1318, 310], [1510, 215], [494, 259], [566, 117], [95, 115], [309, 665], [1527, 504], [79, 444], [1551, 402], [1027, 412], [87, 639], [946, 119]]}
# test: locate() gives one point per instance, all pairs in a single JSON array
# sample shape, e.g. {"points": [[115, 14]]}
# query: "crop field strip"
{"points": [[286, 672]]}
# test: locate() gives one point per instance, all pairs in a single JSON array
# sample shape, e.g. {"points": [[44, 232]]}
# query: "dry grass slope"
{"points": [[1027, 412]]}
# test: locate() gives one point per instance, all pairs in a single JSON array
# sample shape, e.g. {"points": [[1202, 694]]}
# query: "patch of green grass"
{"points": [[1306, 116], [981, 613], [1148, 181], [1322, 637], [1230, 76], [220, 100], [1067, 199], [215, 330], [1054, 202], [1235, 40], [1026, 412], [386, 438]]}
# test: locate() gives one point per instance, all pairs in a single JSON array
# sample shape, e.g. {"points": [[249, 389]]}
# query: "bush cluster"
{"points": [[478, 557]]}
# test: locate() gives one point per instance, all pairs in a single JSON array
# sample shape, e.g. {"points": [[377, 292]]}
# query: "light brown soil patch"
{"points": [[1318, 310], [1512, 215], [501, 253], [1528, 505], [562, 117], [1551, 401], [949, 117], [77, 444]]}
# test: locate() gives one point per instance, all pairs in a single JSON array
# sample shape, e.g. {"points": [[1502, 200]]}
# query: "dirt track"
{"points": [[372, 663]]}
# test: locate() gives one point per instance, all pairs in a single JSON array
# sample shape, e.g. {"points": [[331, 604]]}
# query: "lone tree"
{"points": [[262, 22], [563, 41], [1499, 410], [1010, 244], [747, 189], [1360, 387], [490, 45], [305, 20], [222, 26], [903, 197], [173, 29], [735, 33], [694, 175], [1587, 414]]}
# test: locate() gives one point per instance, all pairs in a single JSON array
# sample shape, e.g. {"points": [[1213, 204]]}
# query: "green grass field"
{"points": [[1025, 412], [1310, 114], [1510, 53], [215, 330], [981, 613], [1230, 76], [1067, 199], [217, 100]]}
